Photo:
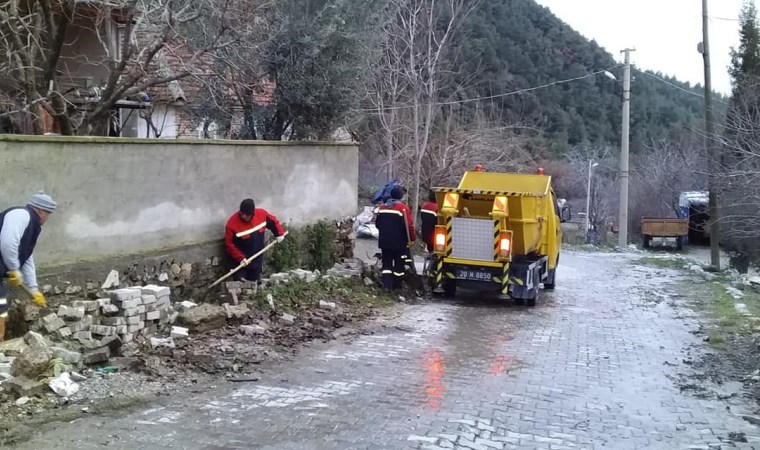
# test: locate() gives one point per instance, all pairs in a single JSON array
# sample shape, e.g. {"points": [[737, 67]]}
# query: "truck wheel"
{"points": [[646, 241], [449, 288], [679, 243], [550, 280], [532, 301]]}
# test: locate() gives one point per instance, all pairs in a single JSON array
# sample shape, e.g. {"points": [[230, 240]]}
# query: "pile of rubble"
{"points": [[98, 328]]}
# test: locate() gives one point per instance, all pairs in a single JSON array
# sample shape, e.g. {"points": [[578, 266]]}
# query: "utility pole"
{"points": [[591, 165], [624, 143], [710, 148]]}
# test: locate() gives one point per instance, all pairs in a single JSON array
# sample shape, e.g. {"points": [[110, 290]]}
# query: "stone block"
{"points": [[133, 320], [112, 280], [130, 304], [71, 313], [103, 330], [121, 295], [187, 305], [153, 315], [236, 311], [157, 291], [32, 363], [35, 339], [141, 309], [327, 305], [113, 321], [122, 329], [67, 356], [88, 305], [96, 356], [62, 333], [127, 338], [288, 319], [113, 342], [24, 387], [149, 299], [82, 336], [156, 342], [179, 332], [109, 310], [130, 312], [52, 322], [82, 325], [135, 328]]}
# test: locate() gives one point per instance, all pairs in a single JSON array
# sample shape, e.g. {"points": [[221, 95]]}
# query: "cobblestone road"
{"points": [[585, 369]]}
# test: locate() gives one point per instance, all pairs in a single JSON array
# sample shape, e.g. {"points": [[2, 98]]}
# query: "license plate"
{"points": [[473, 275]]}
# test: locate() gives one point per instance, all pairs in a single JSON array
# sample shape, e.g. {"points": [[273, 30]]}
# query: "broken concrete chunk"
{"points": [[71, 313], [96, 356], [156, 342], [67, 356], [252, 330], [52, 322], [32, 363], [112, 280], [204, 318], [288, 319], [153, 315], [135, 328], [24, 387], [103, 330], [327, 305], [278, 278], [179, 332], [71, 290], [76, 376], [236, 311], [35, 339]]}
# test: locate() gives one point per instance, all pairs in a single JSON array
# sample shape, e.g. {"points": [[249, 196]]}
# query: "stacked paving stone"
{"points": [[99, 327]]}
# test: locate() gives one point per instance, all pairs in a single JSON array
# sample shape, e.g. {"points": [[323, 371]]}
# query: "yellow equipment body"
{"points": [[502, 230]]}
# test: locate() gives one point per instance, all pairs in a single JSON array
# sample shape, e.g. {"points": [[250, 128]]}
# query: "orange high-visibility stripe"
{"points": [[500, 204], [450, 200]]}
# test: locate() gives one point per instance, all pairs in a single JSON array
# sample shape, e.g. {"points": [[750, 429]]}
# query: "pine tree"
{"points": [[745, 61]]}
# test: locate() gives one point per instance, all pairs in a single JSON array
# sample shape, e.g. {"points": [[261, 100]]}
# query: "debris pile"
{"points": [[98, 328]]}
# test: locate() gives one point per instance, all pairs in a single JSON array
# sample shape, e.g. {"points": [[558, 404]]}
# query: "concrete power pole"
{"points": [[710, 148], [624, 143]]}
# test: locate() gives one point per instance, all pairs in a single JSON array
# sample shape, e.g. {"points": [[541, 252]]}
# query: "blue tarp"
{"points": [[384, 194]]}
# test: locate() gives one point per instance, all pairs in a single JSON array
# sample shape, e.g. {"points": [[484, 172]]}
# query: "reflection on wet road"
{"points": [[584, 369]]}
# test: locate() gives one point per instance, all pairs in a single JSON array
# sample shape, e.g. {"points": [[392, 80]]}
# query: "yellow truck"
{"points": [[498, 231]]}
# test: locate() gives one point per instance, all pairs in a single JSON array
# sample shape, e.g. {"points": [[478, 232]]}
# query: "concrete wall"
{"points": [[125, 196]]}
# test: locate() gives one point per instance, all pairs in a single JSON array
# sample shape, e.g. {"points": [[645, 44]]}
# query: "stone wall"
{"points": [[120, 197]]}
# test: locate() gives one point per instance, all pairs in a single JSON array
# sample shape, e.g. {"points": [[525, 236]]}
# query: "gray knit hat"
{"points": [[42, 201]]}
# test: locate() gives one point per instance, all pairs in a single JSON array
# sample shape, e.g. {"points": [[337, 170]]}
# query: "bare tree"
{"points": [[134, 36]]}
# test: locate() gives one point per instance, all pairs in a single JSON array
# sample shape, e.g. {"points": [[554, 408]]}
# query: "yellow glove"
{"points": [[14, 278], [39, 299]]}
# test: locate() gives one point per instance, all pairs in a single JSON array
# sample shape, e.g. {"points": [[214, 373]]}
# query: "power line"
{"points": [[663, 80], [502, 95]]}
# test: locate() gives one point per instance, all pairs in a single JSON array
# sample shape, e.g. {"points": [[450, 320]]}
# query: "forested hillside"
{"points": [[508, 45]]}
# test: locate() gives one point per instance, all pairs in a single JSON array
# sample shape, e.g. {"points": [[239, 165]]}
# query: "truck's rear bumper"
{"points": [[518, 278]]}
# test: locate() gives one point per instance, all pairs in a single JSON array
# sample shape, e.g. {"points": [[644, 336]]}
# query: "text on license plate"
{"points": [[476, 275]]}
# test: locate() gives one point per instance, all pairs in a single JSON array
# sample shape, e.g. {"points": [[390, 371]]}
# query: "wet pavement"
{"points": [[586, 369]]}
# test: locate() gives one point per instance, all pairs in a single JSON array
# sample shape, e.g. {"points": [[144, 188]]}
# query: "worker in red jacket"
{"points": [[394, 221], [244, 236]]}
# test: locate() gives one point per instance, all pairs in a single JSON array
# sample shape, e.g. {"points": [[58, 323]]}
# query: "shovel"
{"points": [[245, 262]]}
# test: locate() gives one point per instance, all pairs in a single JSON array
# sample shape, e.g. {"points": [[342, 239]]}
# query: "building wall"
{"points": [[125, 196]]}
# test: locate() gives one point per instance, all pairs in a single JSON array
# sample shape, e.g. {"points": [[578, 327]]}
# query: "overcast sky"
{"points": [[665, 33]]}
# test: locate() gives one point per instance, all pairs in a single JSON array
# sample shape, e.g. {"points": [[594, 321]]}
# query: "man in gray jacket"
{"points": [[19, 229]]}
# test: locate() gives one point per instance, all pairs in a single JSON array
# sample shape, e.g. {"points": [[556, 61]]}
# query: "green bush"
{"points": [[320, 245], [286, 255]]}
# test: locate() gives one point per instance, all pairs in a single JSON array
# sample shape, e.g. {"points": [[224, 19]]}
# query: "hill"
{"points": [[516, 44]]}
